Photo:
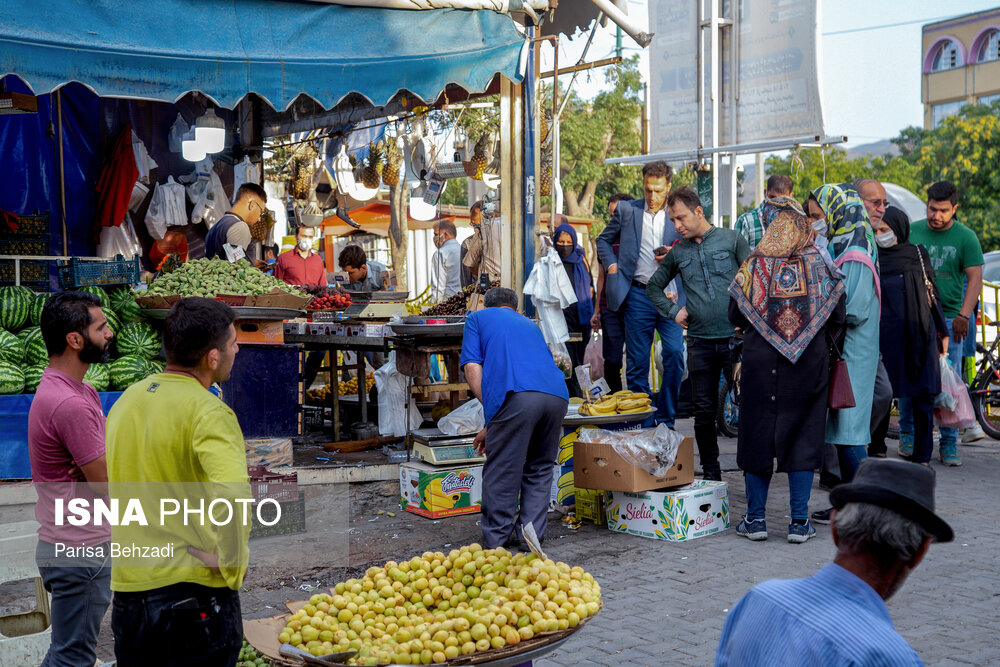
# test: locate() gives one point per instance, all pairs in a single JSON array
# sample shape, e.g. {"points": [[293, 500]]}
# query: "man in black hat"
{"points": [[883, 524]]}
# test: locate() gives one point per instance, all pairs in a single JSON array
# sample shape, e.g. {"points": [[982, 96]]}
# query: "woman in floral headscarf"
{"points": [[785, 299], [851, 242]]}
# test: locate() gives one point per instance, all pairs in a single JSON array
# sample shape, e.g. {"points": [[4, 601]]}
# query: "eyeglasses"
{"points": [[884, 203]]}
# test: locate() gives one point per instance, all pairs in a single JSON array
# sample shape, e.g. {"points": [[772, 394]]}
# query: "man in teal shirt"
{"points": [[957, 258], [707, 259]]}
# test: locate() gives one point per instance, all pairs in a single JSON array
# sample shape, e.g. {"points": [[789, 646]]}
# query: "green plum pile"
{"points": [[211, 277], [249, 657], [439, 606]]}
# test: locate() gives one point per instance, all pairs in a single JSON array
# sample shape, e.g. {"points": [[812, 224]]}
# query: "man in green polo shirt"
{"points": [[957, 258]]}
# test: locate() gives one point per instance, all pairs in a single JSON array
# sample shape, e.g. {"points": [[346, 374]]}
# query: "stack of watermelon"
{"points": [[23, 356]]}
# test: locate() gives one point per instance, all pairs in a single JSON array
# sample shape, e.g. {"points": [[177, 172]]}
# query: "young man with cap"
{"points": [[883, 524]]}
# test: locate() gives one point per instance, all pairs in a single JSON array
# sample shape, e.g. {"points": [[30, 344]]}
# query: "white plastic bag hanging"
{"points": [[392, 401], [156, 218], [594, 355], [244, 172], [961, 414], [465, 419], [175, 209], [176, 134]]}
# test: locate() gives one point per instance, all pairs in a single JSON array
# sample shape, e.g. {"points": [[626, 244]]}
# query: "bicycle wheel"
{"points": [[986, 403], [728, 417]]}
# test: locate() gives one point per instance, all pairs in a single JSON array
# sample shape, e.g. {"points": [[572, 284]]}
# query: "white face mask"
{"points": [[305, 244], [886, 240], [820, 227]]}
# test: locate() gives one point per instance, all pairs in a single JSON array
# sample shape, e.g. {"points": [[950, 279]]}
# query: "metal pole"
{"points": [[62, 175], [715, 93], [530, 166]]}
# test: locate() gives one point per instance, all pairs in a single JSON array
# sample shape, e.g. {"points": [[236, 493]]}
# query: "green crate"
{"points": [[293, 518], [591, 505]]}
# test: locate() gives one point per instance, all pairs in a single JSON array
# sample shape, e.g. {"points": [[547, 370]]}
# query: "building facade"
{"points": [[961, 64]]}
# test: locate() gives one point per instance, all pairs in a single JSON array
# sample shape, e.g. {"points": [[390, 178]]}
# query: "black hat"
{"points": [[905, 488]]}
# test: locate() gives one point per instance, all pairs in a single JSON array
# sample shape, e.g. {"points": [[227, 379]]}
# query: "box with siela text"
{"points": [[676, 516]]}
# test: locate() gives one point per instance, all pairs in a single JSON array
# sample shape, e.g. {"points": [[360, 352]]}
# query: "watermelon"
{"points": [[98, 292], [158, 365], [128, 370], [11, 347], [113, 322], [32, 377], [139, 339], [15, 306], [35, 352], [124, 305], [36, 308], [11, 378], [97, 377]]}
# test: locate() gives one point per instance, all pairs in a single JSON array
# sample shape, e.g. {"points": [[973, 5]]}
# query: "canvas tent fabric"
{"points": [[277, 49]]}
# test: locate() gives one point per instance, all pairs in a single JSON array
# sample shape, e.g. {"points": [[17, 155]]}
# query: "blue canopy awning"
{"points": [[278, 49]]}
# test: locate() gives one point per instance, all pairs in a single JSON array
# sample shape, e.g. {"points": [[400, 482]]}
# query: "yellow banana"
{"points": [[566, 479], [565, 492]]}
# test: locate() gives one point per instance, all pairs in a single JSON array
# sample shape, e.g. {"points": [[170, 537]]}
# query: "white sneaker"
{"points": [[973, 433]]}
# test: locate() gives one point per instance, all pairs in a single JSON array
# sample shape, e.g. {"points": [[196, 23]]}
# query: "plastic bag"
{"points": [[945, 399], [156, 217], [391, 386], [463, 420], [594, 355], [961, 416], [652, 449], [560, 355]]}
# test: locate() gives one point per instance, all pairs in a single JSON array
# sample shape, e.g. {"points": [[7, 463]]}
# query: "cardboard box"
{"points": [[598, 466], [260, 333], [269, 452], [676, 516], [436, 492], [294, 327]]}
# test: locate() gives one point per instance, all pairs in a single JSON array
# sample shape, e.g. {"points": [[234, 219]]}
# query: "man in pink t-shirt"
{"points": [[66, 448]]}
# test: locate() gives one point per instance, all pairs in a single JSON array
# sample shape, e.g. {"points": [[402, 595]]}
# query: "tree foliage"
{"points": [[964, 149]]}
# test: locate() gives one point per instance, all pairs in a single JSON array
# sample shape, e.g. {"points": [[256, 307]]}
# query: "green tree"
{"points": [[593, 130], [810, 168]]}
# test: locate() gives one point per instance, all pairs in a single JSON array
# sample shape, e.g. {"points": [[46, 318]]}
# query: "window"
{"points": [[989, 48], [987, 100], [941, 111], [946, 56]]}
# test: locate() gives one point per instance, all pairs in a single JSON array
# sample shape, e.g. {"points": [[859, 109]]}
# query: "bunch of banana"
{"points": [[631, 402]]}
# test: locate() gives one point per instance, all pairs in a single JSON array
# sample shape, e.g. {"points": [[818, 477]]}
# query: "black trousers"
{"points": [[522, 441], [180, 625], [707, 358], [613, 346], [923, 430]]}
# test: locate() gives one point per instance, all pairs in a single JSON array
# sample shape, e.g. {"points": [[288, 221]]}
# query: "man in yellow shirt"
{"points": [[170, 441]]}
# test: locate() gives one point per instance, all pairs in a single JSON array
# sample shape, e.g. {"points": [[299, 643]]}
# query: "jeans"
{"points": [[81, 593], [641, 320], [184, 624], [613, 346], [799, 488], [707, 358], [949, 436], [850, 457]]}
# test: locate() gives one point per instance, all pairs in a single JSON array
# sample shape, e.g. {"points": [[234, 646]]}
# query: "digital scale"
{"points": [[376, 305], [436, 448]]}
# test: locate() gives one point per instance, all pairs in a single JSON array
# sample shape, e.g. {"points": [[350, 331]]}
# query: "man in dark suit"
{"points": [[644, 234]]}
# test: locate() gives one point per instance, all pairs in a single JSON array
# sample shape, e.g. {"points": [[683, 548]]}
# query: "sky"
{"points": [[870, 64]]}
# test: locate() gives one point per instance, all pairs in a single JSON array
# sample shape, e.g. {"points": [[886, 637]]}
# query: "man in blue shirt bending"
{"points": [[883, 524], [510, 370]]}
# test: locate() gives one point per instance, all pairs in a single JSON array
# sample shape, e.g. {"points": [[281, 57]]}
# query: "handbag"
{"points": [[841, 394]]}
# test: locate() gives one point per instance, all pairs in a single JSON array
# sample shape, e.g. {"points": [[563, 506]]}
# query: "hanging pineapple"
{"points": [[545, 173], [480, 155], [371, 175], [393, 164], [303, 165]]}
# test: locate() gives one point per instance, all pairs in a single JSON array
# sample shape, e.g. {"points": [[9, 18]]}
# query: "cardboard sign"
{"points": [[234, 253]]}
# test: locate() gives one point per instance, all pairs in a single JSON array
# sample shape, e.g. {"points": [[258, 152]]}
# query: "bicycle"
{"points": [[985, 388], [728, 416]]}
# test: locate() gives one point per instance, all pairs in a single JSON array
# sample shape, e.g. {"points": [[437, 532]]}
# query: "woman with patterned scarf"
{"points": [[851, 242], [785, 299]]}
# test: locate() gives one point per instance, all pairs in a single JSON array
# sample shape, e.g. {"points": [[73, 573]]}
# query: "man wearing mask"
{"points": [[958, 262], [470, 265], [66, 449], [644, 233], [300, 265], [234, 227], [445, 271]]}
